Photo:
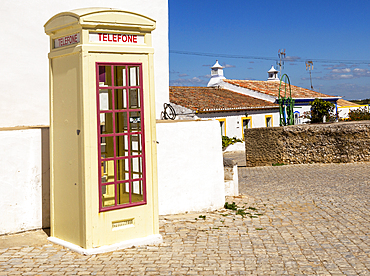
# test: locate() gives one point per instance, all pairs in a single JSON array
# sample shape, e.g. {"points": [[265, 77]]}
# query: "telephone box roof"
{"points": [[99, 18]]}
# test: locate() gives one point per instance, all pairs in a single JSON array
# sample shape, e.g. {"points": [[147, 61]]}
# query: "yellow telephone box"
{"points": [[102, 130]]}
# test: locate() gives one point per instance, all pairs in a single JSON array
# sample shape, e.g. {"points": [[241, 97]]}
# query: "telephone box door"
{"points": [[120, 109]]}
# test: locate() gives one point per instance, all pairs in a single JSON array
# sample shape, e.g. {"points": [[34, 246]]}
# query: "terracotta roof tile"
{"points": [[214, 99], [342, 102], [272, 88]]}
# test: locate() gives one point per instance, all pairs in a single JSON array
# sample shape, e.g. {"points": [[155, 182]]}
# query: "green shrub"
{"points": [[230, 206], [278, 164], [226, 141], [321, 109]]}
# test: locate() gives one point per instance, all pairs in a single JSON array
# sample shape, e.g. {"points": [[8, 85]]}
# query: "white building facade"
{"points": [[233, 124], [258, 108], [272, 89], [345, 109], [234, 111]]}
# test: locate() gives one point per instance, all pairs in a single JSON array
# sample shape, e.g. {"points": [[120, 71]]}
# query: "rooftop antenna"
{"points": [[309, 67], [280, 63]]}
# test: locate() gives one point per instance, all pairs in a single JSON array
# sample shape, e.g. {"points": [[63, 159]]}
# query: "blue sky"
{"points": [[245, 37]]}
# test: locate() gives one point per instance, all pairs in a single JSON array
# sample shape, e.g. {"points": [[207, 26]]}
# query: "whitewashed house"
{"points": [[233, 110], [240, 104], [344, 107], [270, 89]]}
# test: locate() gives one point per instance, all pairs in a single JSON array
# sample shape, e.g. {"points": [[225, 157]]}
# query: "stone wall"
{"points": [[317, 143]]}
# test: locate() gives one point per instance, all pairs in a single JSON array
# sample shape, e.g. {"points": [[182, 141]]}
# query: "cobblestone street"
{"points": [[289, 220]]}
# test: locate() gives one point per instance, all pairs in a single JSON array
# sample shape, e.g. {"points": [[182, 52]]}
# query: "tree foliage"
{"points": [[321, 109], [366, 101]]}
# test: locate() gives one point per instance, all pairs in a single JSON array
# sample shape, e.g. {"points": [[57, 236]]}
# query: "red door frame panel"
{"points": [[129, 134]]}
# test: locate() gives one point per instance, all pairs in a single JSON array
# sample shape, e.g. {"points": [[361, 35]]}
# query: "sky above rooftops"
{"points": [[245, 36]]}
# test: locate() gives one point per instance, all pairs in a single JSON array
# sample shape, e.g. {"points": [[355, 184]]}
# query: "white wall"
{"points": [[24, 48], [344, 111], [234, 124], [21, 180], [259, 120], [24, 75], [190, 166]]}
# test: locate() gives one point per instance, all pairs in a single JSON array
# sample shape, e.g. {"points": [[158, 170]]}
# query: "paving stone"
{"points": [[298, 220]]}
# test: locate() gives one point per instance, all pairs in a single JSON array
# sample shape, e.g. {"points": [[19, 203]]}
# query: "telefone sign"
{"points": [[116, 38], [67, 40], [100, 37]]}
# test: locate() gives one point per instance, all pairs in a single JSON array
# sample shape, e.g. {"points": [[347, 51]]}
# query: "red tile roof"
{"points": [[272, 88], [203, 99], [342, 102]]}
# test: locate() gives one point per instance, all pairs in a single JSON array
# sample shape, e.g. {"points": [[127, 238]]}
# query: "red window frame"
{"points": [[129, 134]]}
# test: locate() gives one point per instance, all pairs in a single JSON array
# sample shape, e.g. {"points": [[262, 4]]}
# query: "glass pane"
{"points": [[120, 99], [134, 98], [268, 121], [107, 171], [135, 144], [133, 75], [120, 75], [122, 169], [123, 193], [135, 121], [137, 194], [136, 168], [122, 146], [108, 195], [105, 99], [105, 76], [107, 147], [246, 123], [121, 122], [106, 123], [222, 125]]}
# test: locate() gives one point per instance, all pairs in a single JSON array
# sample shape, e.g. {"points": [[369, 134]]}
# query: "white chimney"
{"points": [[217, 74], [273, 74]]}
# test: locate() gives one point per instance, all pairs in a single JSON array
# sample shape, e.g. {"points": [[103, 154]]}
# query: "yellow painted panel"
{"points": [[100, 225], [268, 121], [66, 150], [245, 119], [222, 126], [112, 17], [61, 21], [99, 17]]}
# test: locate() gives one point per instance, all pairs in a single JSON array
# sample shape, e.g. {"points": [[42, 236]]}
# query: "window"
{"points": [[222, 126], [120, 136], [297, 120], [268, 119], [247, 123]]}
